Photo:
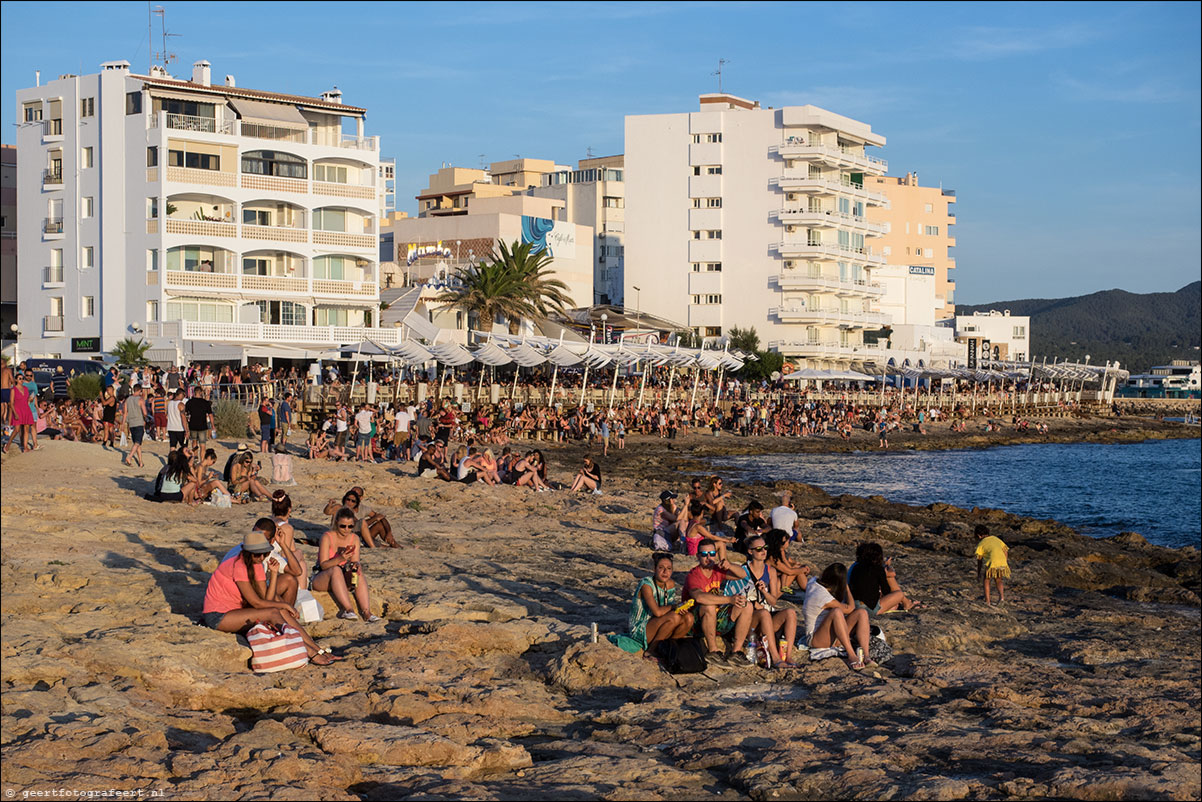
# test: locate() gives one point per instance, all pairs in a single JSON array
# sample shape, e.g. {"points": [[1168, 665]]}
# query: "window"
{"points": [[274, 163], [706, 300], [284, 313], [330, 317], [713, 331], [1020, 332], [152, 208], [329, 220], [152, 311], [152, 260], [56, 258], [331, 173], [886, 250], [88, 257], [699, 138], [256, 266], [152, 157], [926, 207], [33, 112], [87, 306], [196, 161], [610, 202], [201, 311], [928, 252], [86, 206], [714, 169], [696, 171], [713, 203], [56, 307], [707, 234], [185, 108], [931, 231], [85, 157], [707, 267], [133, 103], [331, 267], [256, 217], [87, 107]]}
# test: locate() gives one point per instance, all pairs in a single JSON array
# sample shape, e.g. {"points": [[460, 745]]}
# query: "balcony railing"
{"points": [[288, 285], [51, 226], [834, 250], [833, 218], [803, 180], [841, 154], [276, 233], [821, 349], [268, 332], [795, 280], [829, 316], [235, 127], [52, 127], [193, 175], [52, 175], [343, 190], [344, 240], [359, 142], [52, 274], [274, 184], [276, 132], [204, 228], [207, 125], [52, 323]]}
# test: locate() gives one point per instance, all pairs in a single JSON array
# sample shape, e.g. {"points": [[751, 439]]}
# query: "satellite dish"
{"points": [[775, 375]]}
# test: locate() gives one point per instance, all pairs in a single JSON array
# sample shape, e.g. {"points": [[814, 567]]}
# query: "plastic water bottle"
{"points": [[751, 650]]}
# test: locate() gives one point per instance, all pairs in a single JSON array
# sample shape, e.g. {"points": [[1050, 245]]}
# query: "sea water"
{"points": [[1153, 488]]}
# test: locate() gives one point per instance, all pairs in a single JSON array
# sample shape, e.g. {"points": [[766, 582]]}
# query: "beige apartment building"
{"points": [[451, 190], [918, 231]]}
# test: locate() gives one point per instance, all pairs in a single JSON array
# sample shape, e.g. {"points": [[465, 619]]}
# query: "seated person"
{"points": [[234, 602], [531, 472], [319, 444], [714, 500], [244, 480], [718, 614], [588, 477], [654, 614], [371, 526], [169, 484], [695, 531], [283, 561], [831, 617], [665, 531], [204, 480], [751, 522], [338, 571], [873, 582], [433, 462], [281, 467], [768, 619], [792, 574]]}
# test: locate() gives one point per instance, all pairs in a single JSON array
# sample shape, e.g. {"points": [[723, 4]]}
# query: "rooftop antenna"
{"points": [[164, 56], [588, 152], [721, 63], [481, 161]]}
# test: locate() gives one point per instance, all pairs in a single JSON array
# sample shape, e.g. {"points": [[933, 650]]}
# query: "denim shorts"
{"points": [[213, 620], [363, 440], [135, 434]]}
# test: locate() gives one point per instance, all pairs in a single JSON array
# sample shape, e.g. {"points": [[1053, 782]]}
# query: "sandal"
{"points": [[333, 657], [856, 666], [321, 658]]}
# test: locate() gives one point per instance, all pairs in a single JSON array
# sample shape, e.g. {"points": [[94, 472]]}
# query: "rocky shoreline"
{"points": [[482, 682]]}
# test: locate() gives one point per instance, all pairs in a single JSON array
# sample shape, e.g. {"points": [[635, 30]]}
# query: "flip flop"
{"points": [[329, 659], [916, 605], [856, 666]]}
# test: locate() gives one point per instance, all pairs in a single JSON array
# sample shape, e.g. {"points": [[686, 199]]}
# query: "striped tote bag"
{"points": [[273, 650]]}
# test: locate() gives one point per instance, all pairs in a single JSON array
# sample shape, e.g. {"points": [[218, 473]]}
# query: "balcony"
{"points": [[52, 130], [226, 283], [829, 317], [828, 219], [840, 156], [795, 280], [823, 350], [344, 240], [275, 233], [202, 228], [820, 250], [52, 228], [273, 333], [274, 132], [203, 125], [359, 142], [801, 181], [52, 175], [192, 175], [52, 276], [344, 190], [273, 184], [52, 324]]}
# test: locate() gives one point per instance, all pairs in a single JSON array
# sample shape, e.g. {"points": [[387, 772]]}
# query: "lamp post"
{"points": [[637, 316], [16, 344]]}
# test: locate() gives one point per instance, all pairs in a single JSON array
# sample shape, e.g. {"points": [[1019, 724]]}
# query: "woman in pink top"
{"points": [[234, 602], [22, 416]]}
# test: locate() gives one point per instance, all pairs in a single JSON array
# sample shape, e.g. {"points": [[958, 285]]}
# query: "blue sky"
{"points": [[1069, 131]]}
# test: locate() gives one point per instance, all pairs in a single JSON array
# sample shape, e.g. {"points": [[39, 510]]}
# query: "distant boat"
{"points": [[1181, 379]]}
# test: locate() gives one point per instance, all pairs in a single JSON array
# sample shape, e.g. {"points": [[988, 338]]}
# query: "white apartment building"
{"points": [[594, 195], [739, 215], [995, 335], [192, 213]]}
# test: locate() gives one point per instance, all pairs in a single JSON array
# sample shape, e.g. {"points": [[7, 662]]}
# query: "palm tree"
{"points": [[131, 353], [744, 339], [516, 283]]}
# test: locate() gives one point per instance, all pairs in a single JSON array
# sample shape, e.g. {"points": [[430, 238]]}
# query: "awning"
{"points": [[280, 114]]}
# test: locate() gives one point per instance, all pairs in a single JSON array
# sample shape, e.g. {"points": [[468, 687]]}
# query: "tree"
{"points": [[516, 283], [765, 363], [131, 353], [744, 339]]}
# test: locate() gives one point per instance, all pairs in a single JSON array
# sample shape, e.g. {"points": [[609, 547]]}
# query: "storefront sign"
{"points": [[972, 353], [920, 270], [84, 344]]}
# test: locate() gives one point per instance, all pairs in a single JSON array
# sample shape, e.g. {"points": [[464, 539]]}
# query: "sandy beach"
{"points": [[482, 683]]}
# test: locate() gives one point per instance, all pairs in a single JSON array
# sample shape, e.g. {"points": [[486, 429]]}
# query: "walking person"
{"points": [[133, 416]]}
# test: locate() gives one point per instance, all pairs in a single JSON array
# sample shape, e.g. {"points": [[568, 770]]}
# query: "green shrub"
{"points": [[415, 505], [231, 419], [84, 387]]}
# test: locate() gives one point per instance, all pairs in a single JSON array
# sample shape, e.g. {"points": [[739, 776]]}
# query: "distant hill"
{"points": [[1138, 330]]}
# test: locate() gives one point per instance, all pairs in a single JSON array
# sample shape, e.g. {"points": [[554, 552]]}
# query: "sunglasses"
{"points": [[707, 553], [346, 526], [759, 548]]}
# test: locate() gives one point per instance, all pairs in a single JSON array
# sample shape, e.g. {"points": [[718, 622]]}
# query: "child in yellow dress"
{"points": [[991, 556]]}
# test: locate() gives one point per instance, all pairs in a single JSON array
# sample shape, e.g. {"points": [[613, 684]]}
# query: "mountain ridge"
{"points": [[1137, 329]]}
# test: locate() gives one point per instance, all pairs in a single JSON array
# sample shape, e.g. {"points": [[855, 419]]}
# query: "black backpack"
{"points": [[682, 656]]}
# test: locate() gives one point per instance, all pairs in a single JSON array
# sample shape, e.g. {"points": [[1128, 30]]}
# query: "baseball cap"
{"points": [[667, 494]]}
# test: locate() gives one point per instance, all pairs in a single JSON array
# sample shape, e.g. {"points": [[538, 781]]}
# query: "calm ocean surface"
{"points": [[1153, 488]]}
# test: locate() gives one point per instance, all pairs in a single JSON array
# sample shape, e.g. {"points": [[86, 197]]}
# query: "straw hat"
{"points": [[255, 542]]}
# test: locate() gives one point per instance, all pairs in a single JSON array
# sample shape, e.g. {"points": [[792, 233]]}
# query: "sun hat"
{"points": [[243, 447], [255, 542]]}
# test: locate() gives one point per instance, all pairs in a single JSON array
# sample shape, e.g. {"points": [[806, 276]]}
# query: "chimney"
{"points": [[201, 73], [332, 96], [229, 80]]}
